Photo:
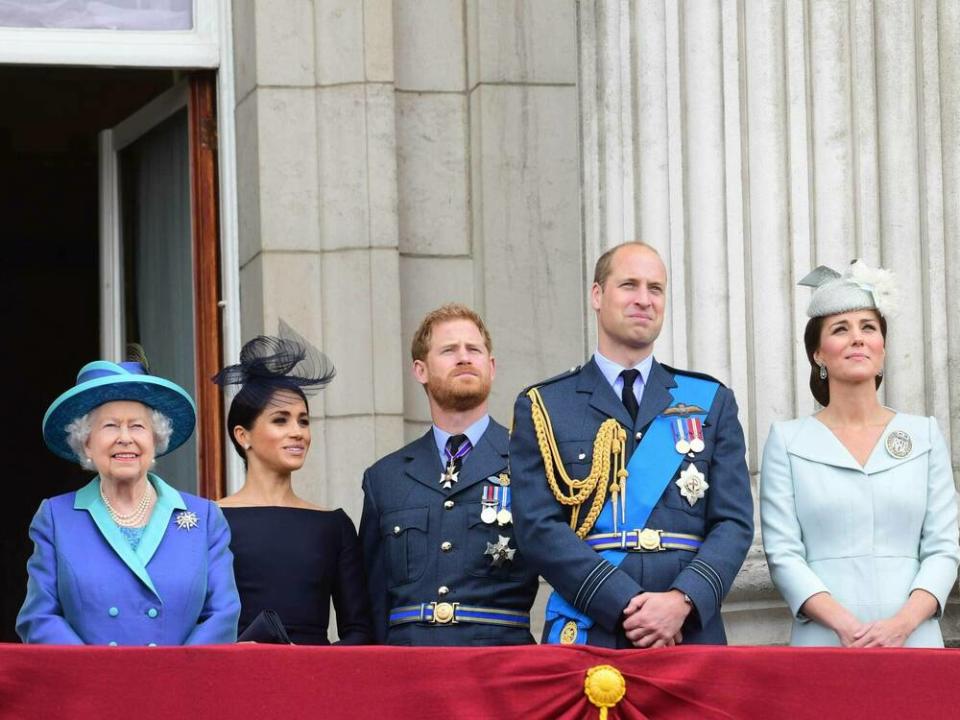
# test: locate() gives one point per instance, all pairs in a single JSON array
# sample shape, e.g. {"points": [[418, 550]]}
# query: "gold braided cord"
{"points": [[608, 446]]}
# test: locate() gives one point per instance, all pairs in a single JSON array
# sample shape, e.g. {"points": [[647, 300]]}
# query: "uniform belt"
{"points": [[646, 540], [445, 613]]}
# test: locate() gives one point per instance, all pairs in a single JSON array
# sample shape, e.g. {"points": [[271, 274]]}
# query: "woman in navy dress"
{"points": [[290, 556]]}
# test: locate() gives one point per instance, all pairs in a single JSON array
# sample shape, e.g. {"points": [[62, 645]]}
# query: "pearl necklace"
{"points": [[135, 518]]}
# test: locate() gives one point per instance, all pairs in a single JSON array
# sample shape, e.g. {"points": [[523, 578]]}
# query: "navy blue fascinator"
{"points": [[285, 362]]}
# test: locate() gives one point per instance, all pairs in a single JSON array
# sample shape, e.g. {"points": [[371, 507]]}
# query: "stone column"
{"points": [[318, 216], [757, 140]]}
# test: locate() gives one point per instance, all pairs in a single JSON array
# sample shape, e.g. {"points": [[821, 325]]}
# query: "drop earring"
{"points": [[823, 372]]}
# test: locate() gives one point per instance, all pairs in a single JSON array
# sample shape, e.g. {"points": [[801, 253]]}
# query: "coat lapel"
{"points": [[816, 443], [88, 498], [602, 397], [423, 462], [656, 395], [168, 500], [488, 458]]}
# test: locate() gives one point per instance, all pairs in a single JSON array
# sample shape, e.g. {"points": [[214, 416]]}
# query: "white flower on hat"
{"points": [[878, 282]]}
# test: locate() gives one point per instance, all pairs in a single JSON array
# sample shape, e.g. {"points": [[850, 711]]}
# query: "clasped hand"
{"points": [[890, 632], [654, 619]]}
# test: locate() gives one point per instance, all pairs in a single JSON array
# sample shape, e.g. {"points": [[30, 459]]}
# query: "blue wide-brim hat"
{"points": [[101, 382]]}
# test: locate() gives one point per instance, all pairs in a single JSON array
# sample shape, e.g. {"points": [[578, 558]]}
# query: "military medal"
{"points": [[696, 434], [451, 473], [693, 484], [500, 552], [504, 516], [899, 444], [681, 443], [489, 512]]}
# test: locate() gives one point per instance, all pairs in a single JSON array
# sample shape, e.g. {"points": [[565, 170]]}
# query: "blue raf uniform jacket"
{"points": [[88, 586], [407, 519], [578, 403]]}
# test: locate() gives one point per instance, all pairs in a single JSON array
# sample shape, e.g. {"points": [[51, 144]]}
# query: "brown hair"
{"points": [[604, 266], [811, 340], [451, 311]]}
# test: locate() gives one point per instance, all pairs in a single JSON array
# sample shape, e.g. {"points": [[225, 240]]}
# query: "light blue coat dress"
{"points": [[87, 586], [869, 535]]}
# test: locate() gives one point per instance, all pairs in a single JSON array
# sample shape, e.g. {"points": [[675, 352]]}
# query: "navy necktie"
{"points": [[628, 396]]}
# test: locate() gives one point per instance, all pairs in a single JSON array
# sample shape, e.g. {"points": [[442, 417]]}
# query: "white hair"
{"points": [[78, 432]]}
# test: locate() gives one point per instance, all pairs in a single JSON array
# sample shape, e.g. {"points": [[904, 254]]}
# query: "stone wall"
{"points": [[396, 155]]}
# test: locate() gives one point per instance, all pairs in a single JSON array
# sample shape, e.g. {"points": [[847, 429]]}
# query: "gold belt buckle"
{"points": [[649, 540], [444, 613]]}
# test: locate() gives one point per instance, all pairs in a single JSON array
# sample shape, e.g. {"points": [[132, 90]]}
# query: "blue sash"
{"points": [[651, 468]]}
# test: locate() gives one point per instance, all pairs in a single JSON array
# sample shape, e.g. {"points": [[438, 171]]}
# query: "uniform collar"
{"points": [[473, 433], [611, 370]]}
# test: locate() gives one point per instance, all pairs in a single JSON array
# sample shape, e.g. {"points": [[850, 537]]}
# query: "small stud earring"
{"points": [[823, 372]]}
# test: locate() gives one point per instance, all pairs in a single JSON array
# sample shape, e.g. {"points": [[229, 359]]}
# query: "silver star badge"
{"points": [[692, 483], [500, 552], [186, 520]]}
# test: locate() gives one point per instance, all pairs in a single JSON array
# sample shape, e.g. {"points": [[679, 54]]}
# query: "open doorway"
{"points": [[51, 272]]}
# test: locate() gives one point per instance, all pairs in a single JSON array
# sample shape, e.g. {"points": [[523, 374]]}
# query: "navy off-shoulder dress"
{"points": [[293, 561]]}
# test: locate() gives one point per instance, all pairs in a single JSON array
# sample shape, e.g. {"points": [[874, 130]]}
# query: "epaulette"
{"points": [[549, 381], [691, 373]]}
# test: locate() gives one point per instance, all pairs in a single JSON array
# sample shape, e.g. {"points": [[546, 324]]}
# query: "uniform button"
{"points": [[581, 456], [446, 546], [112, 643], [447, 504], [152, 612], [151, 644], [396, 529], [113, 612], [639, 436], [442, 590]]}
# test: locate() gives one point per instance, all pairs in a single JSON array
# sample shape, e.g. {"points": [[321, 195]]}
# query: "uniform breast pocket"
{"points": [[689, 489], [482, 536], [404, 536], [577, 456]]}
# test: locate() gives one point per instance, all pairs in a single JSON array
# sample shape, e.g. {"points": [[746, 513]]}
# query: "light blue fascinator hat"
{"points": [[101, 382], [861, 287]]}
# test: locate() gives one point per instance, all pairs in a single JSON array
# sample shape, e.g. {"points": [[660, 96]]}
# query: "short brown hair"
{"points": [[451, 311], [604, 266], [820, 387]]}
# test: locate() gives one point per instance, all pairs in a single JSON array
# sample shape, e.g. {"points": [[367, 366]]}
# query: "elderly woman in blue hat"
{"points": [[857, 502], [127, 559]]}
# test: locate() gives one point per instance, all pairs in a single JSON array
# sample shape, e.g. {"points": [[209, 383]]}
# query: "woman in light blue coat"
{"points": [[127, 559], [857, 502]]}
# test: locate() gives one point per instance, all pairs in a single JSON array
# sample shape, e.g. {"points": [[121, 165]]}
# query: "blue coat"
{"points": [[578, 403], [407, 516], [87, 586], [869, 535]]}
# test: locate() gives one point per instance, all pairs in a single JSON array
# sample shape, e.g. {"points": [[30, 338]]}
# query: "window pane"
{"points": [[98, 14]]}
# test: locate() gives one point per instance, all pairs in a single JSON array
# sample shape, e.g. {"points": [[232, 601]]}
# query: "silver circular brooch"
{"points": [[899, 444]]}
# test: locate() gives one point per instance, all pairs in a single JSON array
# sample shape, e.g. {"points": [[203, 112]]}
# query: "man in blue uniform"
{"points": [[632, 496], [437, 528]]}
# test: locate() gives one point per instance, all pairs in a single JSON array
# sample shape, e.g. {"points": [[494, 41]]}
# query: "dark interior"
{"points": [[49, 278]]}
